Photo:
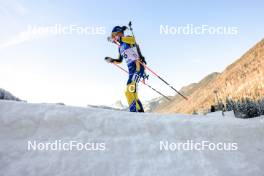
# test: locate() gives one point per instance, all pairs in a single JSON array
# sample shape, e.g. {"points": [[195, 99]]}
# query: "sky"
{"points": [[70, 68]]}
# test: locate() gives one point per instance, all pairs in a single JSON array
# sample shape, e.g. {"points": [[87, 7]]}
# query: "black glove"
{"points": [[142, 58], [145, 76], [109, 59]]}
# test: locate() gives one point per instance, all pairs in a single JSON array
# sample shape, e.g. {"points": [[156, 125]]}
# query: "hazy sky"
{"points": [[70, 68]]}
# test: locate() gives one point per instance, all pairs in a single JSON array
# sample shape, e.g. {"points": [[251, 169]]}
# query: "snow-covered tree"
{"points": [[229, 104], [5, 95]]}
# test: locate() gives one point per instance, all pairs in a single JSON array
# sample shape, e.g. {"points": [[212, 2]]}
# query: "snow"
{"points": [[228, 114], [132, 142]]}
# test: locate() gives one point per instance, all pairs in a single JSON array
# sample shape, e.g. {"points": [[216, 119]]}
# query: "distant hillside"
{"points": [[151, 105], [119, 105], [5, 95], [243, 78]]}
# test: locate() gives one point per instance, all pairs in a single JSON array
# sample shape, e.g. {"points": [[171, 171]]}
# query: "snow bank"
{"points": [[132, 142]]}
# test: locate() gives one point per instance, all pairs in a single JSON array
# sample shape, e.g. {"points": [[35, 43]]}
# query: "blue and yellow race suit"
{"points": [[128, 51]]}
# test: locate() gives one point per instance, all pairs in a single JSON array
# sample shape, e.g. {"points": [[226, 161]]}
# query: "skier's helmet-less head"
{"points": [[118, 31]]}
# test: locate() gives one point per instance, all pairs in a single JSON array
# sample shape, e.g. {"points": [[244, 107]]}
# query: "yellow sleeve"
{"points": [[129, 40]]}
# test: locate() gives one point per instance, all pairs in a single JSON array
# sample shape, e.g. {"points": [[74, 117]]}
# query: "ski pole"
{"points": [[131, 29], [162, 80], [144, 83]]}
